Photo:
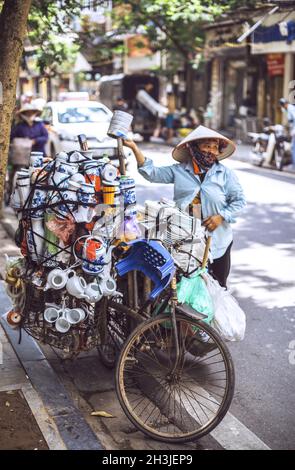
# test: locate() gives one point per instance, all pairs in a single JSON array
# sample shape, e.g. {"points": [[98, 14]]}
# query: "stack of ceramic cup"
{"points": [[72, 191], [120, 124]]}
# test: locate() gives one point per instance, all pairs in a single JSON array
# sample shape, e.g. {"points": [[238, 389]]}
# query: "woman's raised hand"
{"points": [[129, 143]]}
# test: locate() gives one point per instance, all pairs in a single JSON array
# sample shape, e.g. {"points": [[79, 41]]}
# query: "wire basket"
{"points": [[179, 232], [81, 337]]}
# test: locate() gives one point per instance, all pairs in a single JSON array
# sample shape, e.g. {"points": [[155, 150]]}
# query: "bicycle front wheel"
{"points": [[175, 399]]}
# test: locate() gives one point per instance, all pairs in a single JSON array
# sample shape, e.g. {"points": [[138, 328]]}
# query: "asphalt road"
{"points": [[262, 279]]}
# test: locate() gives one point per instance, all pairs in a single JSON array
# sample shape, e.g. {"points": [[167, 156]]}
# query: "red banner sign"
{"points": [[275, 64]]}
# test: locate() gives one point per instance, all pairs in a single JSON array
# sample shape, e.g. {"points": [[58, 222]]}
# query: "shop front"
{"points": [[233, 74], [274, 47]]}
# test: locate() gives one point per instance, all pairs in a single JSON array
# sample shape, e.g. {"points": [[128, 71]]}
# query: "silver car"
{"points": [[67, 119]]}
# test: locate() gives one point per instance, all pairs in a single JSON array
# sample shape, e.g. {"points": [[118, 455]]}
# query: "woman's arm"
{"points": [[42, 137], [146, 168], [138, 153]]}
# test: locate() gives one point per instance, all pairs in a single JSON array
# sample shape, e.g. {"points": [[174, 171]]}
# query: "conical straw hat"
{"points": [[182, 154]]}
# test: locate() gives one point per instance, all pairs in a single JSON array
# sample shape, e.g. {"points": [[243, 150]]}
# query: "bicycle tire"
{"points": [[121, 382]]}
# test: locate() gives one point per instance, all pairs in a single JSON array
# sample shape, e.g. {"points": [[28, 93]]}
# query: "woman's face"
{"points": [[209, 146]]}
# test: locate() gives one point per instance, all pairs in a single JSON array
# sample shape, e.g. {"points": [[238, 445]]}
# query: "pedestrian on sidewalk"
{"points": [[210, 190], [30, 127], [290, 110]]}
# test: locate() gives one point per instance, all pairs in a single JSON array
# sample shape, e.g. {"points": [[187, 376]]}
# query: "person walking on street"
{"points": [[171, 105], [203, 185], [290, 110], [120, 105], [31, 128]]}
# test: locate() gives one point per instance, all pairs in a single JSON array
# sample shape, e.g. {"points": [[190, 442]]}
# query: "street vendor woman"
{"points": [[203, 185]]}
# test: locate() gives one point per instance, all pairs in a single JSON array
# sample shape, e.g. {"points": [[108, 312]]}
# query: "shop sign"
{"points": [[275, 64], [139, 46]]}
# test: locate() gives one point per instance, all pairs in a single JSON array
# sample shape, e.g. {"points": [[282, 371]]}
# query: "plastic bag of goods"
{"points": [[229, 319], [193, 291]]}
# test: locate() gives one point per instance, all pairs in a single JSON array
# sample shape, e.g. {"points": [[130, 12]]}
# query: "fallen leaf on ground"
{"points": [[7, 403], [103, 414]]}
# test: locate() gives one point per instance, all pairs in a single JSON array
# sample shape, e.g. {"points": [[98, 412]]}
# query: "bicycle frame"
{"points": [[142, 313]]}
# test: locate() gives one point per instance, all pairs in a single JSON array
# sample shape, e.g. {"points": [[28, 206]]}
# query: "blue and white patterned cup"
{"points": [[69, 199], [59, 179], [91, 268], [36, 159], [127, 188], [86, 194], [68, 168], [38, 202]]}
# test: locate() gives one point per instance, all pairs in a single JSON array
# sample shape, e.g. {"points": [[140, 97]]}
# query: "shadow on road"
{"points": [[268, 225]]}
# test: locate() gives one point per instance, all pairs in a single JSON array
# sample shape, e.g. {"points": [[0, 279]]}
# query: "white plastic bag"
{"points": [[229, 319]]}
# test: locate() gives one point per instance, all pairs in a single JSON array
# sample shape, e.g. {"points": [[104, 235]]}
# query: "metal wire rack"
{"points": [[179, 232]]}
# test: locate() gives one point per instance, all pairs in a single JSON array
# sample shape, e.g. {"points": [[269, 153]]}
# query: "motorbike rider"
{"points": [[201, 181], [290, 110]]}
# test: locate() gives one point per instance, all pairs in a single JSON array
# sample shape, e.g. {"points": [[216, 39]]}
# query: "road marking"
{"points": [[231, 434]]}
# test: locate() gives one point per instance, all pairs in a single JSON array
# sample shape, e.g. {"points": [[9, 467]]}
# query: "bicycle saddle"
{"points": [[153, 260]]}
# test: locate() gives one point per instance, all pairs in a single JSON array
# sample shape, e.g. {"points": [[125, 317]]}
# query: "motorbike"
{"points": [[271, 147]]}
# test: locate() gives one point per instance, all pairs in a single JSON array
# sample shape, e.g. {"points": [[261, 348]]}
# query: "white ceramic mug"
{"points": [[51, 313], [120, 124], [62, 325], [38, 234], [75, 315]]}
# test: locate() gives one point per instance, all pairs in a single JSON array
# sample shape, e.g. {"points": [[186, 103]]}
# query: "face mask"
{"points": [[29, 119], [205, 160], [283, 110]]}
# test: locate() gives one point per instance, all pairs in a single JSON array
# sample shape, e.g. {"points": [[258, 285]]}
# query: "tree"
{"points": [[42, 21], [13, 27], [173, 26]]}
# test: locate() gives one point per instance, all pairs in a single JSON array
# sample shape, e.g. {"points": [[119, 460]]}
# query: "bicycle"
{"points": [[174, 376]]}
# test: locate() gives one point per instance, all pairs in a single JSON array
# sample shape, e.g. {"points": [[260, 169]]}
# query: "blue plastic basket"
{"points": [[153, 260]]}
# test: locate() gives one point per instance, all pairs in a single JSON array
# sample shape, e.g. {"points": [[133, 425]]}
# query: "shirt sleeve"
{"points": [[163, 174], [235, 199]]}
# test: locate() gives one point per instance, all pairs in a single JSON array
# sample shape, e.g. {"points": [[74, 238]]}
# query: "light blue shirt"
{"points": [[291, 115], [221, 193]]}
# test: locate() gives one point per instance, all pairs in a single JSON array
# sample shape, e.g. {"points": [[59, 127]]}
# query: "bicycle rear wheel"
{"points": [[180, 406]]}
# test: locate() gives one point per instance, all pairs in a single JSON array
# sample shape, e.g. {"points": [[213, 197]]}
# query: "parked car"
{"points": [[67, 119]]}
